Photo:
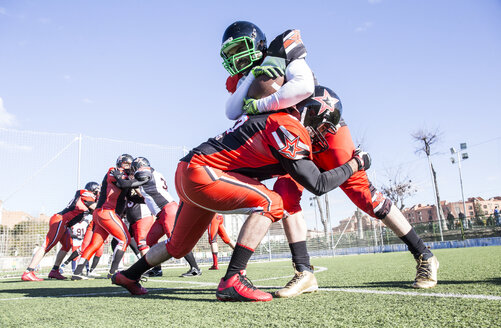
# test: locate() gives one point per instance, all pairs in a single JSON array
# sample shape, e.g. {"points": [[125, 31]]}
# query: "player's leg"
{"points": [[140, 231], [57, 227], [98, 237], [114, 225], [212, 234], [235, 286], [214, 250], [194, 269], [365, 196], [304, 280], [66, 243]]}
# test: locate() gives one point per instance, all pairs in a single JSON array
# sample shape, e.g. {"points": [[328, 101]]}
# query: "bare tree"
{"points": [[426, 139], [399, 187]]}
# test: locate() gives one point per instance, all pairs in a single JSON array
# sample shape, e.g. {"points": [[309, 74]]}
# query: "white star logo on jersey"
{"points": [[327, 102], [293, 145]]}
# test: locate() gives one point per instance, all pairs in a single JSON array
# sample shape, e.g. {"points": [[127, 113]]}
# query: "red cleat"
{"points": [[214, 267], [239, 289], [30, 276], [54, 274], [132, 286]]}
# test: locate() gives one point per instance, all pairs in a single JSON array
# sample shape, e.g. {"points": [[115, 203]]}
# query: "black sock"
{"points": [[30, 269], [55, 268], [95, 261], [300, 256], [190, 258], [116, 260], [137, 269], [239, 259], [416, 245], [73, 256], [79, 269]]}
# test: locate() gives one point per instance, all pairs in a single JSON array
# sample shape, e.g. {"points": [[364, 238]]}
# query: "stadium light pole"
{"points": [[464, 155]]}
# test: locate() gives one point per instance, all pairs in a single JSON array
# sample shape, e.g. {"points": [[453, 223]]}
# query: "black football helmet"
{"points": [[124, 161], [93, 187], [243, 46], [320, 114], [138, 163]]}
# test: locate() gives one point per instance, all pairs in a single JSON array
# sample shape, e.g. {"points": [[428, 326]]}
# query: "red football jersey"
{"points": [[254, 145]]}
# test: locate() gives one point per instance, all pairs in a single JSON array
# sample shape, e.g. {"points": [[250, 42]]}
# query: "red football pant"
{"points": [[57, 233], [87, 239], [140, 230], [205, 191], [108, 223], [216, 227], [163, 225]]}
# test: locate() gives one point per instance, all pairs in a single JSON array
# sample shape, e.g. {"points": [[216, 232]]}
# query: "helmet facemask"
{"points": [[240, 54]]}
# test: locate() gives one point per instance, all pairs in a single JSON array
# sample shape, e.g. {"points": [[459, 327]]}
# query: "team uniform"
{"points": [[112, 200], [222, 175]]}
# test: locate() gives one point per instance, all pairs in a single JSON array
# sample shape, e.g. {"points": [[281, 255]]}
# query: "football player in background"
{"points": [[86, 241], [215, 228], [223, 175], [83, 202], [111, 201], [244, 41]]}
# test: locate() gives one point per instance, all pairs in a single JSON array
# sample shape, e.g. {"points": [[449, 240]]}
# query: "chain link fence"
{"points": [[41, 171]]}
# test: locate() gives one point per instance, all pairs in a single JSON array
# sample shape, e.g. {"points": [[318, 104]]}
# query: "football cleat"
{"points": [[214, 267], [94, 275], [239, 288], [134, 287], [79, 277], [302, 282], [426, 276], [54, 274], [193, 272], [30, 276], [154, 272]]}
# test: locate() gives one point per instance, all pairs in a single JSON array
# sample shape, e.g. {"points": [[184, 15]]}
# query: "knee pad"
{"points": [[380, 204]]}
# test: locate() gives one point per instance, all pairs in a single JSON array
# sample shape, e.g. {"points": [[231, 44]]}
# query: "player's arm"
{"points": [[137, 181], [235, 103], [89, 202], [306, 173], [299, 86]]}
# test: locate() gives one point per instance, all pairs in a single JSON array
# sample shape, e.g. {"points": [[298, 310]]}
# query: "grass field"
{"points": [[370, 290]]}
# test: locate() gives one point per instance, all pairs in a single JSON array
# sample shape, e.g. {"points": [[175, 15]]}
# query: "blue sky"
{"points": [[150, 71]]}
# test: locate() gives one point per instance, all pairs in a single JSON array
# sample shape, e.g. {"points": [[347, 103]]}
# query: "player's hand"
{"points": [[363, 159], [270, 71], [117, 174], [250, 106]]}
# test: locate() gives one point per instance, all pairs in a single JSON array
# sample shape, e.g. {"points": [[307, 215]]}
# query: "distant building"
{"points": [[475, 206], [11, 218]]}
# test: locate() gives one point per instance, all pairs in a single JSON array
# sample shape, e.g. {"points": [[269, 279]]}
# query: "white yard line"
{"points": [[317, 270]]}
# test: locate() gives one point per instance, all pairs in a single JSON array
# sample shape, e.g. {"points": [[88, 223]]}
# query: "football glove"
{"points": [[117, 174], [250, 106], [270, 71], [363, 159]]}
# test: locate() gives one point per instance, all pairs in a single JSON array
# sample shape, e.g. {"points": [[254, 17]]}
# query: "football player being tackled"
{"points": [[223, 174], [246, 57]]}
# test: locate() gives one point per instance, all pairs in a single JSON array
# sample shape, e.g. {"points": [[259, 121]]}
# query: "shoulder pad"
{"points": [[288, 46], [288, 136], [143, 175]]}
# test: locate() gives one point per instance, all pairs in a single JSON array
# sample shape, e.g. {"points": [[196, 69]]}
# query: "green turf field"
{"points": [[370, 290]]}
